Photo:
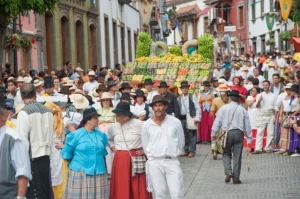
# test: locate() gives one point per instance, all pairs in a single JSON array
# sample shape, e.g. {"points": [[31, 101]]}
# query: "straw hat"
{"points": [[27, 79], [64, 80], [223, 87], [69, 83], [105, 95], [79, 69], [20, 79], [244, 68], [144, 90], [93, 94], [79, 101], [10, 78], [92, 73], [222, 81], [18, 108], [78, 91], [37, 82], [237, 65], [271, 64], [72, 88]]}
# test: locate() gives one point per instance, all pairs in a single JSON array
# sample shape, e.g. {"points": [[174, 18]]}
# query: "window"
{"points": [[123, 42], [262, 5], [271, 5], [254, 46], [263, 41], [129, 45], [115, 40], [241, 16], [106, 30], [253, 11], [206, 25]]}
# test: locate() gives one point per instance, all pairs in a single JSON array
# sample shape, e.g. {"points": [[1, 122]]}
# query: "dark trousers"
{"points": [[190, 138], [235, 140], [40, 186]]}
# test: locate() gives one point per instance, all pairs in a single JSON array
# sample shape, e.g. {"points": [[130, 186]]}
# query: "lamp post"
{"points": [[15, 50]]}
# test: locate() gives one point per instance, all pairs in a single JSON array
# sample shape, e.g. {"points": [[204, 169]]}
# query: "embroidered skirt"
{"points": [[284, 141], [123, 185], [83, 186]]}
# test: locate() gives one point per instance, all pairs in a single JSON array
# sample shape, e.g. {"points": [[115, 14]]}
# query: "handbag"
{"points": [[138, 162], [190, 121], [224, 133]]}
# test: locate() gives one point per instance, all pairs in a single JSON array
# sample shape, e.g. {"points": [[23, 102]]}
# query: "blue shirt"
{"points": [[74, 76], [86, 150]]}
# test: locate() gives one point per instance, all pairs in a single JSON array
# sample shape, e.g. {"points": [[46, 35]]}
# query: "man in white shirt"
{"points": [[163, 140], [276, 88], [151, 93], [188, 104], [217, 72], [281, 63], [91, 84], [257, 75], [78, 73], [265, 102], [250, 67]]}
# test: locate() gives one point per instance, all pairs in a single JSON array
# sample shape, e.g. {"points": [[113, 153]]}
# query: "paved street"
{"points": [[271, 176]]}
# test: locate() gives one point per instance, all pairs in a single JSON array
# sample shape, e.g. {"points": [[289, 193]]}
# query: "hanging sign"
{"points": [[270, 19], [285, 6]]}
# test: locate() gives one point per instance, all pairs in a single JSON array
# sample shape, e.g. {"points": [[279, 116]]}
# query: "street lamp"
{"points": [[164, 8]]}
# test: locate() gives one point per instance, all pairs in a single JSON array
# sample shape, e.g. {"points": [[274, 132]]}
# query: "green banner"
{"points": [[270, 19]]}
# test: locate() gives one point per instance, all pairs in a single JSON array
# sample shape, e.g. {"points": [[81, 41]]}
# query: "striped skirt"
{"points": [[82, 186], [284, 141]]}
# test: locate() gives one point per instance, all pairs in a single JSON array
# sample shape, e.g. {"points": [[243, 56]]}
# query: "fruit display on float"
{"points": [[205, 46], [142, 48]]}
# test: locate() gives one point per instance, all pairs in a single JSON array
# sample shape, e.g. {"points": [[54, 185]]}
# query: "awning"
{"points": [[296, 42], [205, 11]]}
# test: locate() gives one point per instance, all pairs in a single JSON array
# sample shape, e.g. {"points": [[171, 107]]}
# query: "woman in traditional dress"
{"points": [[105, 120], [242, 90], [140, 102], [217, 103], [252, 111], [85, 148], [288, 142], [205, 100], [125, 141]]}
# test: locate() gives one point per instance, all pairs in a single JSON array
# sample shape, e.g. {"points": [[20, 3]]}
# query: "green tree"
{"points": [[10, 9]]}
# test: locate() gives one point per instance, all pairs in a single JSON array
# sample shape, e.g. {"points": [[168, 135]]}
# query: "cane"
{"points": [[248, 158]]}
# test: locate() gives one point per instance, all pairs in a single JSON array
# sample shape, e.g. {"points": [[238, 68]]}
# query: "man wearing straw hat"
{"points": [[235, 120], [91, 84]]}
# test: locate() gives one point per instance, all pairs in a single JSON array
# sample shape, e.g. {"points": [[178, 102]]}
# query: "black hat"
{"points": [[3, 102], [214, 79], [64, 90], [124, 86], [294, 88], [125, 96], [206, 84], [148, 81], [163, 84], [110, 84], [48, 82], [184, 84], [140, 93], [234, 93], [255, 81], [158, 98], [123, 108], [89, 112], [91, 102], [102, 88]]}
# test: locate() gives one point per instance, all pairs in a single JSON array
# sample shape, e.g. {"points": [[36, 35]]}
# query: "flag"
{"points": [[178, 26]]}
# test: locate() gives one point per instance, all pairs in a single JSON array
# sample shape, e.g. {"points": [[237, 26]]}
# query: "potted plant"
{"points": [[172, 13], [26, 43], [12, 41], [270, 42], [285, 35]]}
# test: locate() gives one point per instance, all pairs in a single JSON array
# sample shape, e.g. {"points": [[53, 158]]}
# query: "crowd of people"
{"points": [[94, 127]]}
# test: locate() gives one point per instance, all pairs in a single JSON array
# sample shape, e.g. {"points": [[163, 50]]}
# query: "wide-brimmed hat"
{"points": [[69, 83], [93, 94], [222, 81], [124, 86], [123, 108], [271, 64], [206, 84], [184, 84], [72, 88], [237, 65], [223, 87], [158, 98], [27, 79], [79, 69], [20, 79], [144, 90], [89, 112], [3, 102], [64, 80], [90, 99], [244, 68], [101, 87], [140, 93], [294, 88], [234, 93], [148, 81], [288, 86], [110, 84], [48, 82], [18, 108], [64, 90], [163, 84], [79, 101], [105, 95], [125, 96], [132, 93], [37, 82], [78, 91], [91, 73], [11, 78]]}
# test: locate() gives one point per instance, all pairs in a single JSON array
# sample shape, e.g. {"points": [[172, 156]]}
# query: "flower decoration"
{"points": [[26, 43], [12, 41]]}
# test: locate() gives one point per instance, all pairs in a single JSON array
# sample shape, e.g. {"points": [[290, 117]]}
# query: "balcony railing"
{"points": [[177, 2]]}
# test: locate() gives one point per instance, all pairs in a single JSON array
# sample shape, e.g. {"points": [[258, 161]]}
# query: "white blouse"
{"points": [[132, 134], [290, 108]]}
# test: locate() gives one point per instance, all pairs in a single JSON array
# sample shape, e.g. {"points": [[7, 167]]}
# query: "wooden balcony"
{"points": [[219, 27]]}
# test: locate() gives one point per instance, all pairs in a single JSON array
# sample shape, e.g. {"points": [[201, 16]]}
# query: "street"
{"points": [[271, 176]]}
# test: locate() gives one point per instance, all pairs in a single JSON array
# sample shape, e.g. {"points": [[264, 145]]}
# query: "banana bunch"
{"points": [[171, 58], [142, 48], [142, 59], [205, 46]]}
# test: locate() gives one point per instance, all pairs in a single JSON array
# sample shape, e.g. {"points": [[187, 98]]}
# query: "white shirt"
{"points": [[217, 73], [150, 96], [97, 104], [17, 99], [268, 102], [185, 106], [279, 100], [89, 86], [164, 140], [250, 70], [132, 134], [249, 86], [290, 108], [138, 112], [261, 79], [281, 62], [271, 71], [276, 90]]}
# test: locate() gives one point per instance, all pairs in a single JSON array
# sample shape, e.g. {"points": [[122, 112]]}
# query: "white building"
{"points": [[259, 33], [119, 28]]}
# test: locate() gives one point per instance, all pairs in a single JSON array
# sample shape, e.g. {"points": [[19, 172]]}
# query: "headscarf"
{"points": [[58, 120]]}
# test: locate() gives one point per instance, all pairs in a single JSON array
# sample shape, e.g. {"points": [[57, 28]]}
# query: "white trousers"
{"points": [[263, 120], [164, 174], [109, 159]]}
